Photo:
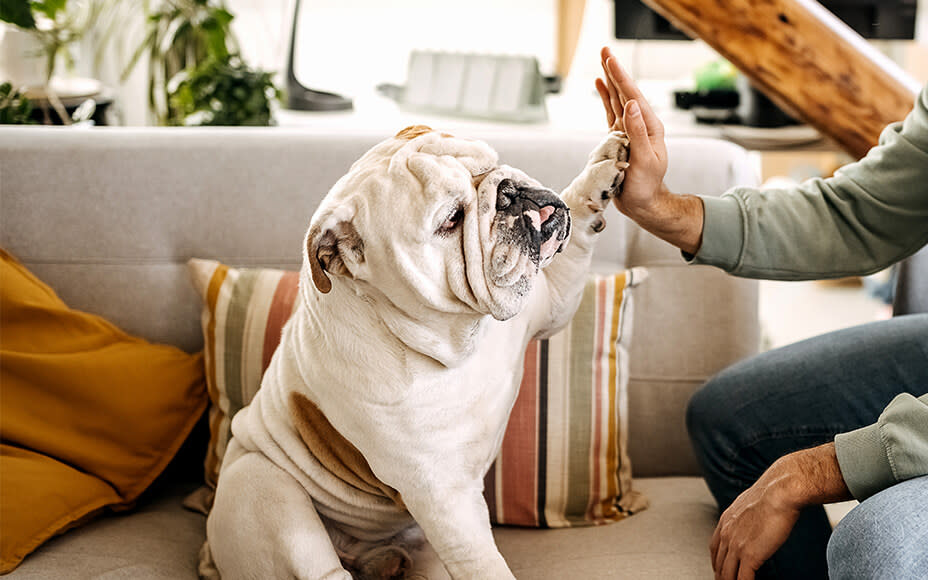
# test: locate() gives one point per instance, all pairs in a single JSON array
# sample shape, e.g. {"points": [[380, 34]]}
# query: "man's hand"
{"points": [[757, 523], [627, 110], [677, 219]]}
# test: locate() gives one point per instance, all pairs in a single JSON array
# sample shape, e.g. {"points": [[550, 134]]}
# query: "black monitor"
{"points": [[877, 19], [634, 20], [880, 19]]}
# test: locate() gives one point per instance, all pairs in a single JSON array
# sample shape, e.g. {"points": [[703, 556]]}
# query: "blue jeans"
{"points": [[886, 536], [797, 397]]}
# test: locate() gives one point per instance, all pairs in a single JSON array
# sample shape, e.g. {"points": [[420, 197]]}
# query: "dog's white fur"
{"points": [[405, 352]]}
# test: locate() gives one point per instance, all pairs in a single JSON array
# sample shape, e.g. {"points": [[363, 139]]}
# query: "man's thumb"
{"points": [[634, 123]]}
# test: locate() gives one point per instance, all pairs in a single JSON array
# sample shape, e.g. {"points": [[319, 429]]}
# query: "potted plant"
{"points": [[46, 29], [222, 91], [195, 73], [15, 108]]}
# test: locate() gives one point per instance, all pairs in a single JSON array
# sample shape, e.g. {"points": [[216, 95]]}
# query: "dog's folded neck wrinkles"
{"points": [[355, 312]]}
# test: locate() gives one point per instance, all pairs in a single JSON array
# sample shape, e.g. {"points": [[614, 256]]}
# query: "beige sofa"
{"points": [[108, 217]]}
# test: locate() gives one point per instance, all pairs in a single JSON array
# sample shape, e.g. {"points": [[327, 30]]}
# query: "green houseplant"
{"points": [[54, 27], [223, 91], [15, 108], [195, 73], [56, 24]]}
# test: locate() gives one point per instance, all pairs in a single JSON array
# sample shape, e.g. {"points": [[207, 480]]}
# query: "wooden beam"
{"points": [[806, 60]]}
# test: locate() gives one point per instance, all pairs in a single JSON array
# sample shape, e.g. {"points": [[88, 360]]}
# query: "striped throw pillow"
{"points": [[244, 311], [563, 460]]}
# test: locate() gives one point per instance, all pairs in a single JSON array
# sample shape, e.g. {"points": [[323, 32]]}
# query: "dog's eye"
{"points": [[453, 220]]}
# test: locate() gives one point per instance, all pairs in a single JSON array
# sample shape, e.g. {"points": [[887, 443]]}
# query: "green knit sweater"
{"points": [[869, 215]]}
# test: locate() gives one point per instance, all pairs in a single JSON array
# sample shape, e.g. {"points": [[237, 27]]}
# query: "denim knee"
{"points": [[706, 416], [886, 536]]}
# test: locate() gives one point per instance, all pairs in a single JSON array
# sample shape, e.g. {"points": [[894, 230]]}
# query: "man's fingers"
{"points": [[604, 95], [616, 99], [626, 86], [745, 572], [730, 567], [637, 130], [718, 560]]}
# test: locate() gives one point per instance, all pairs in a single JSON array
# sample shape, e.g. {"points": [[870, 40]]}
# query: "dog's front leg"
{"points": [[587, 196], [457, 525]]}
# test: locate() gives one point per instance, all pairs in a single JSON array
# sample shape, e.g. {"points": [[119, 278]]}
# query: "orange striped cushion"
{"points": [[244, 312], [563, 460]]}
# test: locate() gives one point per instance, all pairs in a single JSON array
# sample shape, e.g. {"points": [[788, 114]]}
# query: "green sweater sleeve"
{"points": [[869, 215], [893, 449]]}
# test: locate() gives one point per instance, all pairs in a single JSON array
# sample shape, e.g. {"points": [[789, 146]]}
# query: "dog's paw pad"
{"points": [[614, 147], [608, 163]]}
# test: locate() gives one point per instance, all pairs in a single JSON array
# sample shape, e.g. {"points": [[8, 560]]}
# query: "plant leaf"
{"points": [[143, 46], [49, 8], [17, 12]]}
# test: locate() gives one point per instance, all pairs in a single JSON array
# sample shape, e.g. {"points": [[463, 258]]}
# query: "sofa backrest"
{"points": [[109, 216]]}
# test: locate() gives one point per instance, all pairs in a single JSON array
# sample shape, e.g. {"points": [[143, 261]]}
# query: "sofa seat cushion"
{"points": [[670, 539], [160, 540]]}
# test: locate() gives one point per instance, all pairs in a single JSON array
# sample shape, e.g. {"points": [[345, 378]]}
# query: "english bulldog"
{"points": [[426, 270]]}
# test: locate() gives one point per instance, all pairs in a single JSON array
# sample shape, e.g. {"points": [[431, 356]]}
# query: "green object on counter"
{"points": [[716, 75]]}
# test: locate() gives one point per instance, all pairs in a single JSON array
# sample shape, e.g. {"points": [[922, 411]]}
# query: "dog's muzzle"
{"points": [[532, 224]]}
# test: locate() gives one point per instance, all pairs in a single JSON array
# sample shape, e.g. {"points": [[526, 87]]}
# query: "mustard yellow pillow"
{"points": [[89, 415]]}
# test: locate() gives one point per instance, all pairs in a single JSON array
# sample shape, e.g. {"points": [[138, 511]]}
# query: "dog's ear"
{"points": [[330, 249]]}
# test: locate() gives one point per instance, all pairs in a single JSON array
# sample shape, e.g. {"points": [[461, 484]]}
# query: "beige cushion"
{"points": [[159, 540], [668, 540]]}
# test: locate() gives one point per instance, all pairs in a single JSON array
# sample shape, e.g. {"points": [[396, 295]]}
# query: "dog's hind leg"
{"points": [[263, 525]]}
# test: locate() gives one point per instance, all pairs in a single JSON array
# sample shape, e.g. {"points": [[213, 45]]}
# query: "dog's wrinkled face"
{"points": [[522, 225], [433, 223]]}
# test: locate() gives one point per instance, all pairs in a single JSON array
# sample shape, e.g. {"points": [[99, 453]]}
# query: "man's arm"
{"points": [[857, 465], [871, 214], [893, 449]]}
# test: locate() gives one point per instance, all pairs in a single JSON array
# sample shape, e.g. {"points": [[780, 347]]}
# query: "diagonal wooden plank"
{"points": [[806, 60]]}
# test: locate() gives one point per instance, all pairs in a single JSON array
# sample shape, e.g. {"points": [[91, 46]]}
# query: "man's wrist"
{"points": [[809, 477], [674, 218]]}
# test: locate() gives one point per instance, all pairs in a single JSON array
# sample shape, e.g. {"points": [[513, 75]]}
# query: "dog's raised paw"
{"points": [[609, 161], [604, 174]]}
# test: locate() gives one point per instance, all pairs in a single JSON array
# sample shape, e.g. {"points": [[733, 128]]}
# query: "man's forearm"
{"points": [[812, 476], [677, 219]]}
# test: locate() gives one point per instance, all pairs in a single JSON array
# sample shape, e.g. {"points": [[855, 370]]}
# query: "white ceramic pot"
{"points": [[22, 60]]}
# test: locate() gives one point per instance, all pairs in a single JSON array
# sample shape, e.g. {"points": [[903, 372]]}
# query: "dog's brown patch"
{"points": [[413, 131], [334, 452]]}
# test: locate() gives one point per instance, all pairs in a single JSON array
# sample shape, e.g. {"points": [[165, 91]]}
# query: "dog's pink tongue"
{"points": [[546, 212]]}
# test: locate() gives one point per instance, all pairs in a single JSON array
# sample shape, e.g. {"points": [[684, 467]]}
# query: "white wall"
{"points": [[350, 46]]}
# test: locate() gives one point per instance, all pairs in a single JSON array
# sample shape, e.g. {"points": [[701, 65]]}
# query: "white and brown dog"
{"points": [[363, 453]]}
